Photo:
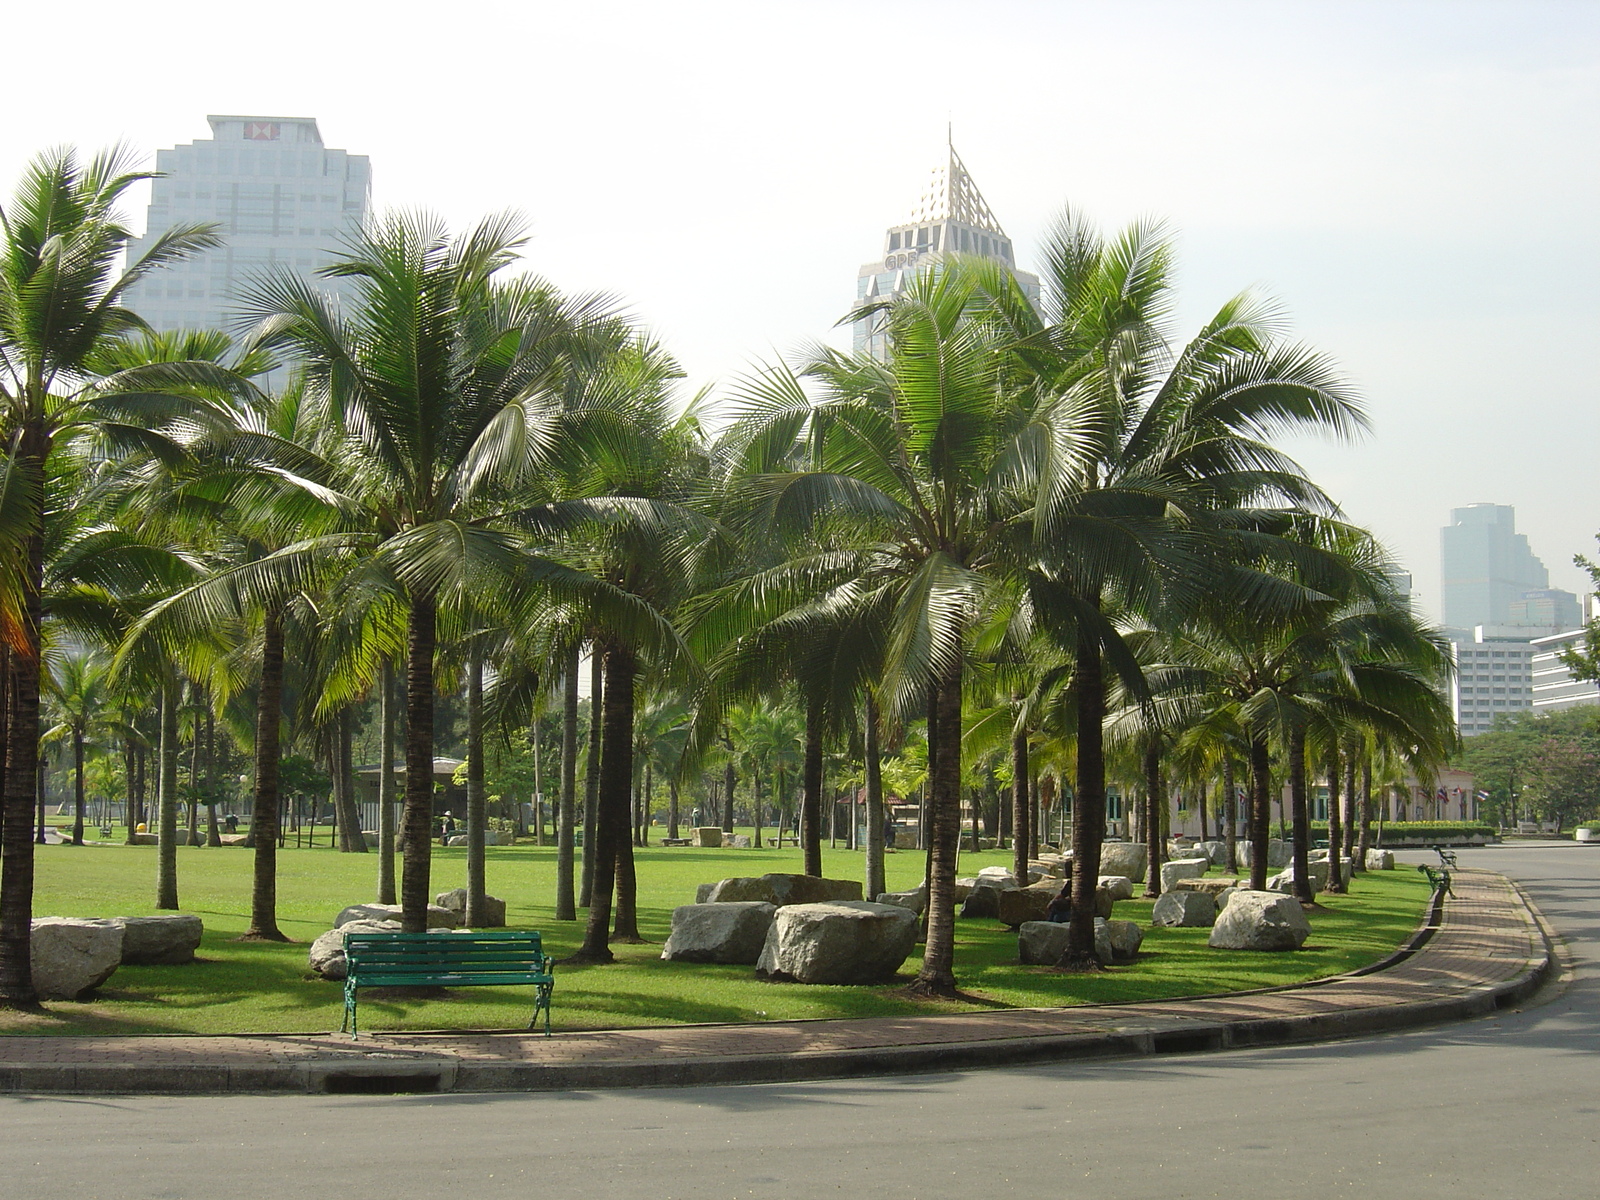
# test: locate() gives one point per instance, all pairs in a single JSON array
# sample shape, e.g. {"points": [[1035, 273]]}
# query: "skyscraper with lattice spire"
{"points": [[952, 218]]}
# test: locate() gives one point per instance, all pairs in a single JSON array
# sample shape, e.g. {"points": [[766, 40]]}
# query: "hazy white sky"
{"points": [[1415, 181]]}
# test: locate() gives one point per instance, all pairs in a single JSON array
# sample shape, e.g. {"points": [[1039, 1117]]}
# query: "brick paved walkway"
{"points": [[1488, 951]]}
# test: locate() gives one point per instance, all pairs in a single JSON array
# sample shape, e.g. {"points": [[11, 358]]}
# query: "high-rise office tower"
{"points": [[1486, 566], [280, 197], [953, 218]]}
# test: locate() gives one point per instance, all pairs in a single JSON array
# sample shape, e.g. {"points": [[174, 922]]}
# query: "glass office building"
{"points": [[280, 197]]}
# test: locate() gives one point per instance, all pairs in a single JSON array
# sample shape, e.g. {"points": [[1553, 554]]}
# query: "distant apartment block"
{"points": [[281, 198], [1554, 688], [1494, 676]]}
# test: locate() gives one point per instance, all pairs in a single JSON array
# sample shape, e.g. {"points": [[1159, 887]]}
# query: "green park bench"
{"points": [[1438, 878], [489, 959]]}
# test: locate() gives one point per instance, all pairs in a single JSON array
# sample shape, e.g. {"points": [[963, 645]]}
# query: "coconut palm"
{"points": [[61, 288], [440, 384], [81, 697], [897, 525], [1348, 658], [1151, 465]]}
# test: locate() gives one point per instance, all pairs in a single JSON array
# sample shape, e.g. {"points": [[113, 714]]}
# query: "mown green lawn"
{"points": [[260, 988]]}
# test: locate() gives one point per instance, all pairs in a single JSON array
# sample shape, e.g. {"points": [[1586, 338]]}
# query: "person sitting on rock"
{"points": [[1060, 910]]}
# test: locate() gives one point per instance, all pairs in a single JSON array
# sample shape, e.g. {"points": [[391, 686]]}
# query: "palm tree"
{"points": [[1152, 461], [900, 508], [80, 691], [1346, 657], [61, 286], [440, 385]]}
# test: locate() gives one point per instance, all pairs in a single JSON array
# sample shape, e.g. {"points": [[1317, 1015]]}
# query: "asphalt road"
{"points": [[1507, 1106]]}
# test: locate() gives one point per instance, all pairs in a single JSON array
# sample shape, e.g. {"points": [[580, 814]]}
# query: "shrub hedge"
{"points": [[1439, 831]]}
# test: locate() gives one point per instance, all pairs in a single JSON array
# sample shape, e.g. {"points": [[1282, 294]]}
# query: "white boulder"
{"points": [[1015, 906], [1260, 921], [1000, 877], [1184, 910], [327, 952], [847, 941], [494, 908], [982, 900], [1380, 860], [439, 917], [1116, 941], [73, 955], [1041, 943], [1125, 858], [1120, 886], [915, 900], [1278, 853], [731, 932], [780, 890], [1182, 868], [160, 940]]}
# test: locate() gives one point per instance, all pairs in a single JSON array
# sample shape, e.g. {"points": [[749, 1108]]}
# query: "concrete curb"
{"points": [[426, 1072]]}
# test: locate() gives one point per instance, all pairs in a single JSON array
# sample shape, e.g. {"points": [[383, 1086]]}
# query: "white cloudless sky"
{"points": [[1416, 182]]}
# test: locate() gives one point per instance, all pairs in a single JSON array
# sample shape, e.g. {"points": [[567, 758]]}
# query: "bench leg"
{"points": [[349, 1012], [541, 1000]]}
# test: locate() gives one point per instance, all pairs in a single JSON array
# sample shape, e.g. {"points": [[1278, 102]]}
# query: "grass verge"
{"points": [[265, 988]]}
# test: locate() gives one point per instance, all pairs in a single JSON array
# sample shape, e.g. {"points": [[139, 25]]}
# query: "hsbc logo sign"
{"points": [[261, 131]]}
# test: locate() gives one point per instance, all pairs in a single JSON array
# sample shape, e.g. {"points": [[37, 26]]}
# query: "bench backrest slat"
{"points": [[506, 952]]}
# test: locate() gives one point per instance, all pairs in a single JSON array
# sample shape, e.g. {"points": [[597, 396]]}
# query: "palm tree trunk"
{"points": [[130, 812], [477, 807], [1298, 816], [591, 776], [351, 838], [1155, 801], [757, 811], [1205, 822], [22, 760], [730, 780], [1260, 810], [1230, 813], [213, 834], [937, 976], [1350, 817], [811, 790], [77, 786], [1335, 825], [386, 715], [566, 906], [167, 801], [193, 805], [672, 808], [1088, 805], [417, 821], [264, 811], [1365, 843], [876, 884], [616, 774]]}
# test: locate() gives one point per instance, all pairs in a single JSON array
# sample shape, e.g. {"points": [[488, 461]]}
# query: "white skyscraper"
{"points": [[953, 218], [280, 197]]}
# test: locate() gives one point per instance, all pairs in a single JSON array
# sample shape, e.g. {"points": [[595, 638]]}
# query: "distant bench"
{"points": [[1438, 878], [491, 959]]}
